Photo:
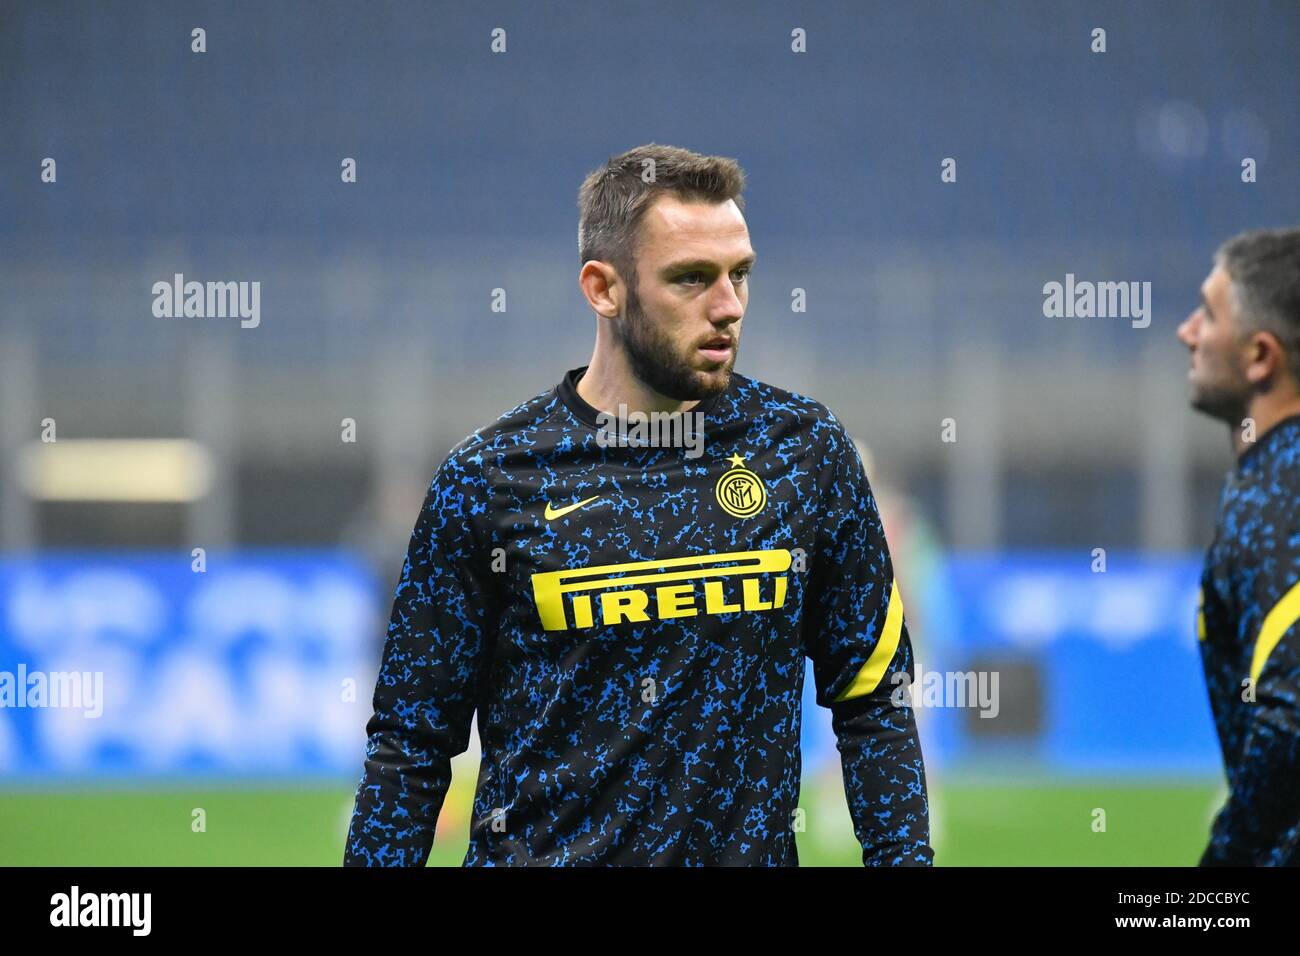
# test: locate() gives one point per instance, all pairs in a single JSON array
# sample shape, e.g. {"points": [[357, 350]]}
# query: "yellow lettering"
{"points": [[752, 601], [582, 611], [714, 602], [617, 606], [677, 600]]}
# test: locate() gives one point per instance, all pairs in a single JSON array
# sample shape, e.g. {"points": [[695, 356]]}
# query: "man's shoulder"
{"points": [[470, 453], [758, 400], [1281, 480], [1272, 462], [1269, 484]]}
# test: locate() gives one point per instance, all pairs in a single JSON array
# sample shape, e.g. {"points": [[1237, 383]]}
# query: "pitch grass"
{"points": [[976, 824]]}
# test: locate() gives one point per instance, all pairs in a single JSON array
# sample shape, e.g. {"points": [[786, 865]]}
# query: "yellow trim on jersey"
{"points": [[1279, 620], [1200, 615], [869, 677]]}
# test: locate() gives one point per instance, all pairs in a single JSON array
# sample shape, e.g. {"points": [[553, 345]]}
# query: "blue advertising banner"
{"points": [[263, 664], [1122, 686], [258, 664], [1045, 662]]}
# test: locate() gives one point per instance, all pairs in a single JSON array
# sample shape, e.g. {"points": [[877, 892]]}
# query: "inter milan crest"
{"points": [[740, 491]]}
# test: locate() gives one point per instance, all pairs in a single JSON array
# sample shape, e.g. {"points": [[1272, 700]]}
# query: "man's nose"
{"points": [[1187, 332], [726, 305]]}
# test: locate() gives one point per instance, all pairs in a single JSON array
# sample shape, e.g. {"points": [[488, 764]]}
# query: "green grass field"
{"points": [[976, 824]]}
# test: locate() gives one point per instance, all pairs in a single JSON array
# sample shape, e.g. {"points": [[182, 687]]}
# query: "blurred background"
{"points": [[236, 679]]}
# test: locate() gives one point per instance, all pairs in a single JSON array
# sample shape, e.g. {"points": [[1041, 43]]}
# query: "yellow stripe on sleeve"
{"points": [[873, 671], [1279, 620]]}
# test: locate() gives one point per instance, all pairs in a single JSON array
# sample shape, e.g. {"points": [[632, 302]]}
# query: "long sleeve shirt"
{"points": [[1250, 649], [628, 611]]}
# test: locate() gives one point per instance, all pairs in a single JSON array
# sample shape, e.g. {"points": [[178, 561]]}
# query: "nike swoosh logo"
{"points": [[553, 513]]}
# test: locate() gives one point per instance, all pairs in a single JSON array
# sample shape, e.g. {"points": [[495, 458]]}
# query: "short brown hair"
{"points": [[614, 198], [1264, 266]]}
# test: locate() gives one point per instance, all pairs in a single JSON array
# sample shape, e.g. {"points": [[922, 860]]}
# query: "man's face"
{"points": [[1218, 357], [681, 327]]}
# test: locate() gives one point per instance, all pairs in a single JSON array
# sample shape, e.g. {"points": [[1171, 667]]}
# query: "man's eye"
{"points": [[689, 275], [744, 274]]}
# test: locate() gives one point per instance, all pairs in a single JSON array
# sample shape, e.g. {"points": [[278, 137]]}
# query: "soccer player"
{"points": [[628, 608], [1245, 369]]}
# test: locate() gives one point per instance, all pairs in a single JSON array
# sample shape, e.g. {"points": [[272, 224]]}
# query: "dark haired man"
{"points": [[1245, 370], [630, 620]]}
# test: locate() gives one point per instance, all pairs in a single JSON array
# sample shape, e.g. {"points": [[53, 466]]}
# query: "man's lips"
{"points": [[719, 350]]}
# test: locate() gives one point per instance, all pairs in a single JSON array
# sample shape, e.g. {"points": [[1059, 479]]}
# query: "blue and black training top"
{"points": [[629, 622], [1250, 648]]}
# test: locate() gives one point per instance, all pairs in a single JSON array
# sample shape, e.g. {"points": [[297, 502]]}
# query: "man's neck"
{"points": [[1263, 413], [609, 382]]}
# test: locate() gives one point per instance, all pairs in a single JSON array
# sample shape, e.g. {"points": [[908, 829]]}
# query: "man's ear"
{"points": [[1265, 358], [601, 286]]}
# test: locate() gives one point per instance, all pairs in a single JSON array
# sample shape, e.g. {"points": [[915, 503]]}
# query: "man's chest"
{"points": [[639, 536]]}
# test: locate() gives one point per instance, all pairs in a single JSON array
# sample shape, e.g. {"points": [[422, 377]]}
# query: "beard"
{"points": [[658, 361], [1224, 394], [1222, 402]]}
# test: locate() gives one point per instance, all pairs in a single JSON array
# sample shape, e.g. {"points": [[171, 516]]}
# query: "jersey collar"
{"points": [[567, 392]]}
